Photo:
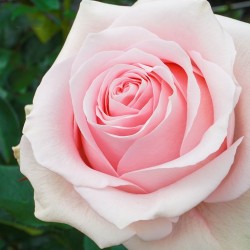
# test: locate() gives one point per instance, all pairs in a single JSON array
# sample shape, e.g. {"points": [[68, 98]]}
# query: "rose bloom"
{"points": [[139, 132]]}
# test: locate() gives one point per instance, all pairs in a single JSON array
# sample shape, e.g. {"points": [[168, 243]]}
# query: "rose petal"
{"points": [[107, 41], [238, 180], [157, 177], [218, 81], [229, 222], [190, 233], [50, 126], [101, 62], [209, 226], [189, 23], [150, 150], [179, 197], [92, 16], [57, 201], [171, 52], [203, 119], [152, 229]]}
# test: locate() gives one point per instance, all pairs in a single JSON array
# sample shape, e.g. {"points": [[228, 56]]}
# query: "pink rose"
{"points": [[134, 137]]}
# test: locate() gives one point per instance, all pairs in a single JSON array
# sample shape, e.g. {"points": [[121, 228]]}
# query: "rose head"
{"points": [[134, 136]]}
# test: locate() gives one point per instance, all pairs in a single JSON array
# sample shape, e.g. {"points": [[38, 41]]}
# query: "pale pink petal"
{"points": [[100, 63], [157, 177], [160, 145], [151, 156], [205, 150], [189, 233], [220, 85], [217, 81], [96, 103], [106, 84], [224, 225], [229, 222], [155, 229], [180, 78], [49, 128], [57, 201], [171, 53], [170, 201], [238, 180], [203, 120], [112, 147], [92, 17], [191, 24], [115, 146], [107, 41], [78, 88]]}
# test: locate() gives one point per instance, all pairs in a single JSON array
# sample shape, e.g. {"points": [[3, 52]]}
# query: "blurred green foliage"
{"points": [[32, 33]]}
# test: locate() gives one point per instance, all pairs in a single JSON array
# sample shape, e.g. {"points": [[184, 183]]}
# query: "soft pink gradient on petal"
{"points": [[50, 127], [57, 201], [179, 197], [191, 24], [78, 90], [150, 149], [238, 179], [218, 81], [157, 177], [107, 41], [115, 148], [155, 229], [217, 226], [203, 119], [171, 53], [229, 221], [189, 233]]}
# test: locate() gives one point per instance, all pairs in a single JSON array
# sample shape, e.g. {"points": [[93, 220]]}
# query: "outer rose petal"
{"points": [[171, 201], [191, 24], [238, 180], [153, 229], [56, 200], [207, 227], [91, 17]]}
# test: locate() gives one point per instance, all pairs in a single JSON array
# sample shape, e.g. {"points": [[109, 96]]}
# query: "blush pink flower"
{"points": [[135, 136]]}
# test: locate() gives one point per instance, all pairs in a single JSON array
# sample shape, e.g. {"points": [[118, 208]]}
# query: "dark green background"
{"points": [[32, 33]]}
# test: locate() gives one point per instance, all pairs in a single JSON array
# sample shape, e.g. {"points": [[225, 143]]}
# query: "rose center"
{"points": [[125, 92]]}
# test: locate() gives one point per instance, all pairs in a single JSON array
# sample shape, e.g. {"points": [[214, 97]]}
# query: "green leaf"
{"points": [[4, 59], [17, 204], [71, 239], [9, 130], [53, 4], [8, 221], [2, 244], [45, 28], [19, 10], [49, 240], [90, 245], [121, 247], [22, 78], [47, 4], [3, 93], [16, 201]]}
